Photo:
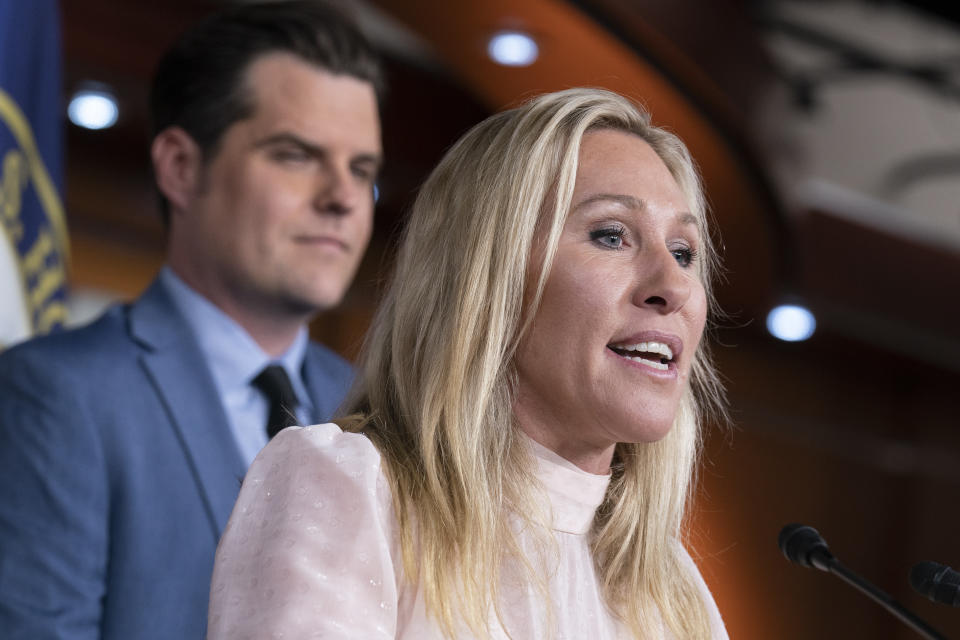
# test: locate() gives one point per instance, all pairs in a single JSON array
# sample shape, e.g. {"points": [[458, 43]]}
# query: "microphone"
{"points": [[936, 581], [805, 546]]}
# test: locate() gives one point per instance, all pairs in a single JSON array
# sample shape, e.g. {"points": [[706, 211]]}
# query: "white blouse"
{"points": [[311, 551]]}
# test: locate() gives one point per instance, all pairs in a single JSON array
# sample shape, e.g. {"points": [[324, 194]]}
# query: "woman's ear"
{"points": [[177, 166]]}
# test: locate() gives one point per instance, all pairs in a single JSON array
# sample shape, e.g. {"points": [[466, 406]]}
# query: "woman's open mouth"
{"points": [[653, 354]]}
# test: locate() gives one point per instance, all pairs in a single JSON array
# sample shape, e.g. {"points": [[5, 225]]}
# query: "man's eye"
{"points": [[291, 155], [609, 237], [363, 174]]}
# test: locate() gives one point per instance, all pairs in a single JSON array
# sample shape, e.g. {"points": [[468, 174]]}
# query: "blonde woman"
{"points": [[518, 448]]}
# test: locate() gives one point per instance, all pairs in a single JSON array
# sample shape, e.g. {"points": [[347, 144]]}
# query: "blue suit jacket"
{"points": [[118, 472]]}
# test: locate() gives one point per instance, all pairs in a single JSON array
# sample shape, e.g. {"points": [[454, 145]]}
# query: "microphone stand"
{"points": [[881, 597], [805, 546]]}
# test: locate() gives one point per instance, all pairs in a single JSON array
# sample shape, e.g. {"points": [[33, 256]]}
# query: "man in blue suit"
{"points": [[123, 444]]}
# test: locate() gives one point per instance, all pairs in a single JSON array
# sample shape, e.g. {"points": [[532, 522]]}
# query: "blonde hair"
{"points": [[436, 377]]}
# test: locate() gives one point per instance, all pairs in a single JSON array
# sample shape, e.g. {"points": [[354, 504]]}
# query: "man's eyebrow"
{"points": [[285, 137]]}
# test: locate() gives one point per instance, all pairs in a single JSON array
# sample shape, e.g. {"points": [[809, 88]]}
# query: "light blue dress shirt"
{"points": [[235, 359]]}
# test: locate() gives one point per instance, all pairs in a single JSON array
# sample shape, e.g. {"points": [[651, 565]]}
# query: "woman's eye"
{"points": [[610, 238], [685, 256]]}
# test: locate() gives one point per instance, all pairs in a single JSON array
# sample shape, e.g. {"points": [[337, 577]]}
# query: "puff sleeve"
{"points": [[309, 549]]}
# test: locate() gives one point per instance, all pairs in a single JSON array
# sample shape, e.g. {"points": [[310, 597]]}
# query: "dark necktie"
{"points": [[275, 385]]}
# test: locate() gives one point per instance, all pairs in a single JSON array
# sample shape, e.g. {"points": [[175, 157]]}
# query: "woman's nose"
{"points": [[662, 284]]}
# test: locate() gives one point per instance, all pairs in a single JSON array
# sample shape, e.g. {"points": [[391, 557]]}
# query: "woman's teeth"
{"points": [[653, 354]]}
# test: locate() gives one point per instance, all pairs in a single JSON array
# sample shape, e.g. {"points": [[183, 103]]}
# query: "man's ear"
{"points": [[177, 166]]}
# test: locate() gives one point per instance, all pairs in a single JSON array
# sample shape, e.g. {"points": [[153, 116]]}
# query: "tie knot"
{"points": [[275, 385]]}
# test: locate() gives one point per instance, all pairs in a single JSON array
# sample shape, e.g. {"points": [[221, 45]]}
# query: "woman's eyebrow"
{"points": [[685, 217], [629, 202]]}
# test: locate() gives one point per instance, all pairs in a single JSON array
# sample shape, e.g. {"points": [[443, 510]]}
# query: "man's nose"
{"points": [[339, 191]]}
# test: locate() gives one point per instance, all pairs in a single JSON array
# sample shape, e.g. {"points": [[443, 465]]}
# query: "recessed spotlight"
{"points": [[791, 323], [513, 48], [93, 109]]}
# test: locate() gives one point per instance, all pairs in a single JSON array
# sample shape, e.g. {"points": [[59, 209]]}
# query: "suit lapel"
{"points": [[313, 379], [182, 380], [326, 380]]}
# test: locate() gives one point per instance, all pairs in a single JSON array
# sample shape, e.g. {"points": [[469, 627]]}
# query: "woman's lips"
{"points": [[655, 351], [658, 368]]}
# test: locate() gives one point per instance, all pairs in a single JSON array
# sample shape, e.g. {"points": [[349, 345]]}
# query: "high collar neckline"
{"points": [[574, 494]]}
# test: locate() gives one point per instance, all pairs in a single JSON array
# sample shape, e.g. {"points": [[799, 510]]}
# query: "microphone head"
{"points": [[805, 546], [936, 581]]}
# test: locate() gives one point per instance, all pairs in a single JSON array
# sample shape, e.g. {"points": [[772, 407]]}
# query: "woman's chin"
{"points": [[645, 428]]}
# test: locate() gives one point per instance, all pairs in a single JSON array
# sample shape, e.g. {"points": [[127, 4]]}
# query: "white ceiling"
{"points": [[873, 144]]}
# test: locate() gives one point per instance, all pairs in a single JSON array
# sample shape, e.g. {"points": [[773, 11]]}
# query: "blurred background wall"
{"points": [[828, 134]]}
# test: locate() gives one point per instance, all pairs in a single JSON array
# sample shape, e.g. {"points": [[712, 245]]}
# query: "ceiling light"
{"points": [[513, 48], [791, 322], [93, 109]]}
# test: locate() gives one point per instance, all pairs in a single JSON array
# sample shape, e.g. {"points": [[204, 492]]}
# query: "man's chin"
{"points": [[308, 306]]}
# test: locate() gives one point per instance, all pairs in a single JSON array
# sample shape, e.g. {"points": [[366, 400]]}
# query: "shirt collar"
{"points": [[233, 355]]}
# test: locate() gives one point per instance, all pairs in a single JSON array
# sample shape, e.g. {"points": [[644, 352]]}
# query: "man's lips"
{"points": [[321, 240]]}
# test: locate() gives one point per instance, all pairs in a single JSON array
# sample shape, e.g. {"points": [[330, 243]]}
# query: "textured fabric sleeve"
{"points": [[717, 628], [308, 551], [54, 504]]}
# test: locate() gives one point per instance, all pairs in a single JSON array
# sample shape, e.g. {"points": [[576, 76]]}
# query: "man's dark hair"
{"points": [[199, 84]]}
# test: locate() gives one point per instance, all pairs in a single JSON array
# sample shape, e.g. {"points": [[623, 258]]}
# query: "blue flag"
{"points": [[33, 232]]}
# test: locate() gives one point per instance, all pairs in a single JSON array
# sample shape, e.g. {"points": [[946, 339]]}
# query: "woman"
{"points": [[523, 430]]}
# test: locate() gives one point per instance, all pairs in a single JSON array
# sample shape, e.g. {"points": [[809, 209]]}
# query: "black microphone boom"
{"points": [[936, 581], [805, 546]]}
